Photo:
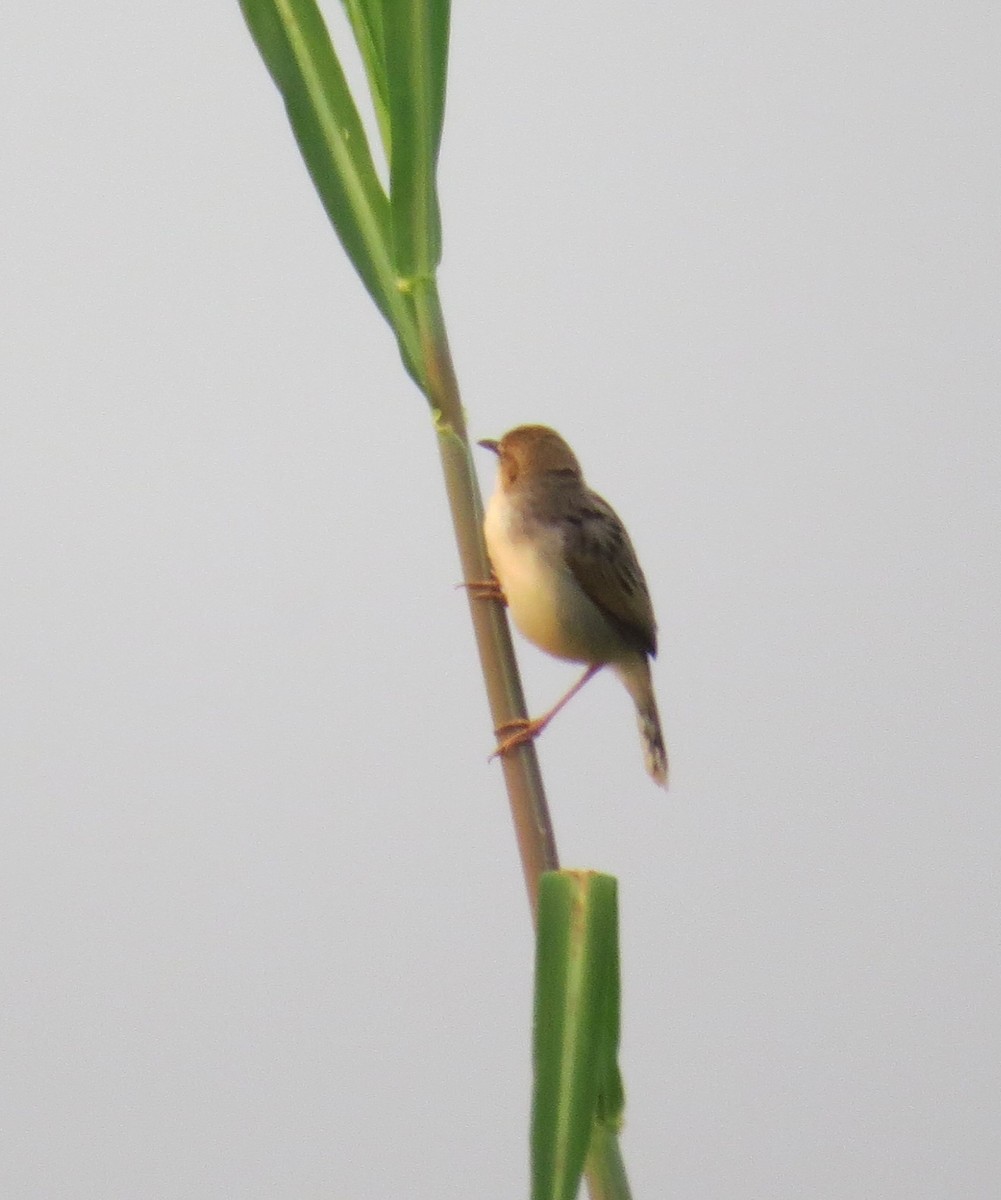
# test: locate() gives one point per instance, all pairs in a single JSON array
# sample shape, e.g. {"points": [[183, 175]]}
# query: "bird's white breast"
{"points": [[537, 583]]}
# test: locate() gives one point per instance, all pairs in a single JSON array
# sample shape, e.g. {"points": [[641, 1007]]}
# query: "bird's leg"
{"points": [[528, 731], [485, 589]]}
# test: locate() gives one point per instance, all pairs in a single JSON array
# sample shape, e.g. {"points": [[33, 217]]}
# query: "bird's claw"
{"points": [[521, 732], [484, 589]]}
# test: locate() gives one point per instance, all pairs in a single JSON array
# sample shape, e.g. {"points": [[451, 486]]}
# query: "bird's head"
{"points": [[530, 452]]}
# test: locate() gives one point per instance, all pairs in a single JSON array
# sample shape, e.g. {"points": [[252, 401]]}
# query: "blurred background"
{"points": [[264, 930]]}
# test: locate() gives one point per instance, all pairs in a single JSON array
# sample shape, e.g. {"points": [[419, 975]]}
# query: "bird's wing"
{"points": [[604, 564]]}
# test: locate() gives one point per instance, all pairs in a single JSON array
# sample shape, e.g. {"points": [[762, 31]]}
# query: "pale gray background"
{"points": [[263, 927]]}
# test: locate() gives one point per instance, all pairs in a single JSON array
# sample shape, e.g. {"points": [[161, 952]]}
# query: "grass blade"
{"points": [[576, 1026], [295, 45], [416, 42], [365, 17]]}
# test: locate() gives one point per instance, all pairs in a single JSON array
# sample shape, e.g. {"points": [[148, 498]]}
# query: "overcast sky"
{"points": [[264, 932]]}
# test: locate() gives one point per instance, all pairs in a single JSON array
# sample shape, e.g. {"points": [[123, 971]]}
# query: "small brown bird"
{"points": [[570, 576]]}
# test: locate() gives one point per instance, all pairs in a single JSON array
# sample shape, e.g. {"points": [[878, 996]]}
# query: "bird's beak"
{"points": [[489, 444]]}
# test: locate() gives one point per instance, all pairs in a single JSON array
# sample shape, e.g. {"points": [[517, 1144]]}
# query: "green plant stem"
{"points": [[527, 797]]}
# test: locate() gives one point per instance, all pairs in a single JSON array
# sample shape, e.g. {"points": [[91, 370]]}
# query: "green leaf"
{"points": [[416, 44], [366, 24], [293, 41], [576, 1033]]}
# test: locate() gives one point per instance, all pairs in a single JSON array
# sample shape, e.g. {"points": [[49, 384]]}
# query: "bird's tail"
{"points": [[636, 676]]}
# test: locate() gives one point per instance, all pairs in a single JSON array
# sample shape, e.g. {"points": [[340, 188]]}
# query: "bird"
{"points": [[565, 567]]}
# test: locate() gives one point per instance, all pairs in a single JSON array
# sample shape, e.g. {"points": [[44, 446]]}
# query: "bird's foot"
{"points": [[519, 732], [485, 589]]}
